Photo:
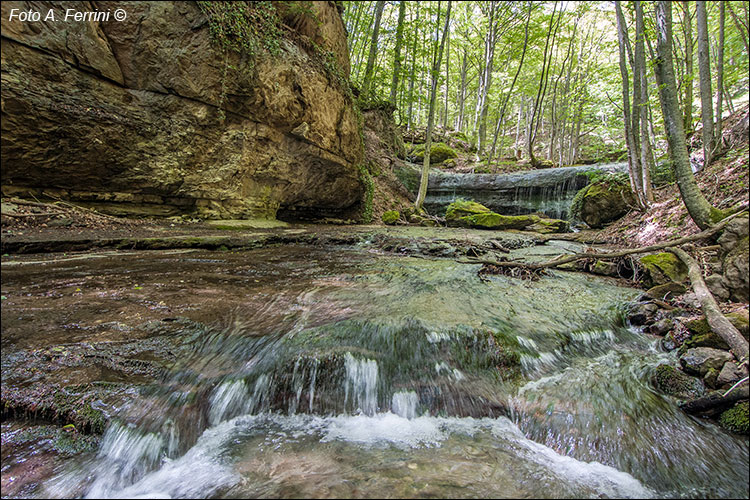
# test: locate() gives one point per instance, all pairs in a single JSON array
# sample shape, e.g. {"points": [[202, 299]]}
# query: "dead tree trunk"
{"points": [[716, 320]]}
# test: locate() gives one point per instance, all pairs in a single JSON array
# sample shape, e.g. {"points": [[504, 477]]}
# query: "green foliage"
{"points": [[244, 27], [662, 174]]}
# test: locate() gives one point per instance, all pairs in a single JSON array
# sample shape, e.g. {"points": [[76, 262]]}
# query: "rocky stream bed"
{"points": [[336, 361]]}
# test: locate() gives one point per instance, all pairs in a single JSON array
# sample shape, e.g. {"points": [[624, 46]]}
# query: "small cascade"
{"points": [[549, 191], [362, 384], [404, 404]]}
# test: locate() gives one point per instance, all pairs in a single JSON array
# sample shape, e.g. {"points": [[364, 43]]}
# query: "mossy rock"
{"points": [[661, 268], [492, 220], [666, 291], [736, 419], [674, 382], [462, 208], [449, 163], [736, 271], [439, 152], [539, 164], [601, 203], [390, 217], [703, 336], [548, 226]]}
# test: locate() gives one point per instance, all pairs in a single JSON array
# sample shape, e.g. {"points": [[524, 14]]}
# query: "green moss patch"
{"points": [[673, 382], [390, 217], [493, 220], [439, 152], [462, 208], [662, 268], [736, 419]]}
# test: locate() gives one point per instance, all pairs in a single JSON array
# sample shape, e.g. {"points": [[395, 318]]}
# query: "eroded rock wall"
{"points": [[127, 115]]}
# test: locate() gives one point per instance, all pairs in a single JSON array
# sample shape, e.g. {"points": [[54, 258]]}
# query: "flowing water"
{"points": [[348, 373], [549, 191]]}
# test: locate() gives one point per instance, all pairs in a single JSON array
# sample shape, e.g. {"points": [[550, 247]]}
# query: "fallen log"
{"points": [[716, 320], [714, 402]]}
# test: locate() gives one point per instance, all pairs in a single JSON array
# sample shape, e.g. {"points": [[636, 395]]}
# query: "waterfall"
{"points": [[549, 191]]}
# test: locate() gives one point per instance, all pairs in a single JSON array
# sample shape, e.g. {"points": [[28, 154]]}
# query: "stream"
{"points": [[346, 371]]}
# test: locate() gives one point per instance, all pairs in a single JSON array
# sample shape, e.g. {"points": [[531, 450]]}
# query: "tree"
{"points": [[373, 50], [700, 210], [687, 28], [704, 70], [397, 51], [438, 55], [631, 119], [513, 84], [720, 75]]}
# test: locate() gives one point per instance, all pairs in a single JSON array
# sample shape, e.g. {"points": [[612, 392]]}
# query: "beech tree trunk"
{"points": [[687, 28], [373, 50], [720, 75], [700, 210], [431, 112], [397, 51], [704, 69]]}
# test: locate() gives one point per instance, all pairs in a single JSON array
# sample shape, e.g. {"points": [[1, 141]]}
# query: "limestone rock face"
{"points": [[151, 116]]}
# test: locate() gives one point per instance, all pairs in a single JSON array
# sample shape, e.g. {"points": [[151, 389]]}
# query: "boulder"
{"points": [[153, 115], [730, 373], [491, 220], [673, 382], [716, 286], [462, 208], [601, 203], [699, 360], [549, 226], [666, 291], [662, 268], [439, 152], [642, 312], [390, 217], [736, 272], [661, 327]]}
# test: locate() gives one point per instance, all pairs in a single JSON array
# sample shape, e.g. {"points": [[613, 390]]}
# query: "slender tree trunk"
{"points": [[413, 71], [630, 121], [397, 51], [687, 28], [462, 93], [540, 91], [698, 207], [447, 78], [513, 84], [720, 75], [647, 158], [704, 69], [741, 29], [373, 50], [431, 114]]}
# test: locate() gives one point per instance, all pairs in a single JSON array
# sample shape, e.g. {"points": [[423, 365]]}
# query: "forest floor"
{"points": [[724, 183]]}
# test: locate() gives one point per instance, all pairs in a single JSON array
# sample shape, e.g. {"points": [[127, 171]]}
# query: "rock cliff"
{"points": [[151, 115]]}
